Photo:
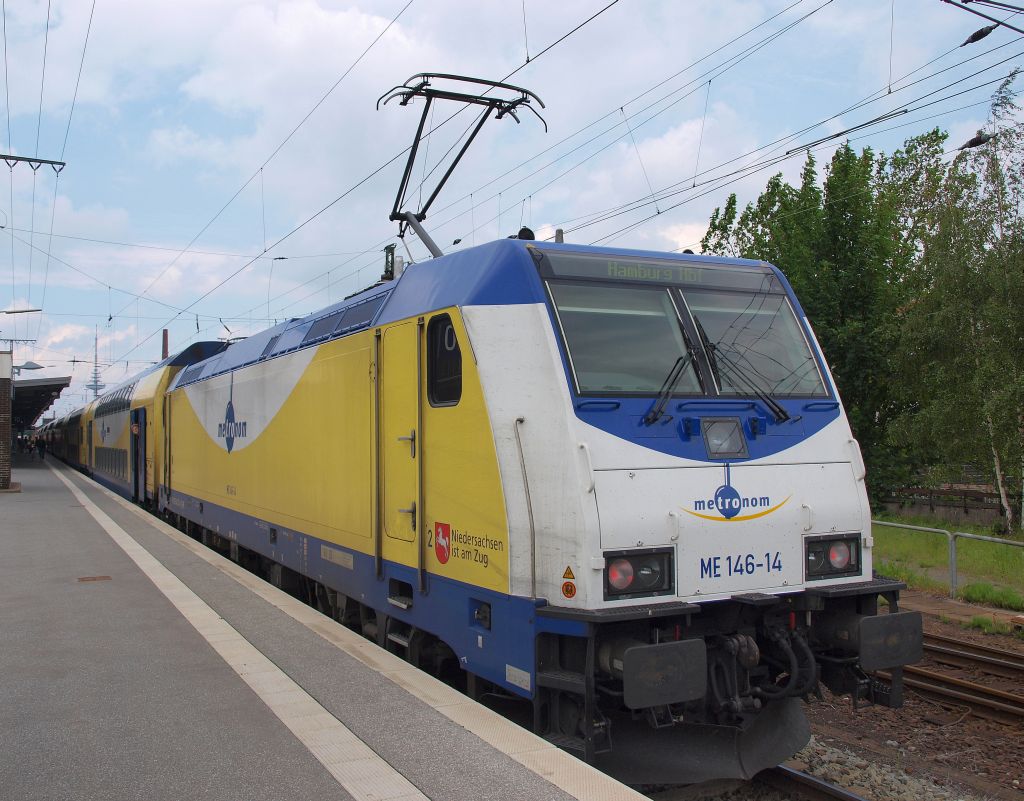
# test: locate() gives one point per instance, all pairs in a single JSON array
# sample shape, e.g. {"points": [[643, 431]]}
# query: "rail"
{"points": [[983, 701], [796, 784], [952, 537]]}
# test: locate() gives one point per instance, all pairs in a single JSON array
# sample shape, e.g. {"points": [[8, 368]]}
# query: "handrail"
{"points": [[952, 537], [529, 510]]}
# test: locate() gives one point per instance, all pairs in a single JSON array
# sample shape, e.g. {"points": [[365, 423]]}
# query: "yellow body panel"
{"points": [[308, 470], [86, 455], [150, 395], [312, 467], [462, 485]]}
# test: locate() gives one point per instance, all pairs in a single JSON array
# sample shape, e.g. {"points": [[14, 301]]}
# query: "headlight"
{"points": [[831, 557], [635, 574], [648, 573], [723, 438]]}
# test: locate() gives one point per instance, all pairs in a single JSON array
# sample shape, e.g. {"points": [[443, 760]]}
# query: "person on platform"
{"points": [[41, 447]]}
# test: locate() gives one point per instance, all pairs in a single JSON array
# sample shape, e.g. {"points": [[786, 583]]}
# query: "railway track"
{"points": [[951, 651], [982, 700], [796, 784], [791, 783]]}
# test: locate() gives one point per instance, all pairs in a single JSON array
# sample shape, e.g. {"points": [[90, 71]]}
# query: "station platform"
{"points": [[137, 664]]}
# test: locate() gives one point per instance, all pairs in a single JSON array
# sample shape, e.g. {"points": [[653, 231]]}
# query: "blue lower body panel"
{"points": [[502, 653]]}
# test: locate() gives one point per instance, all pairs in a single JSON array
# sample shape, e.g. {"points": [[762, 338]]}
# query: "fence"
{"points": [[952, 537], [978, 503]]}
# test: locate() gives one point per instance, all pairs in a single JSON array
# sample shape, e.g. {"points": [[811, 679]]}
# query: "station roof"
{"points": [[32, 397]]}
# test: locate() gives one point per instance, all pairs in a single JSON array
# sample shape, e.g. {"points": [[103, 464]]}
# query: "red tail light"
{"points": [[620, 574]]}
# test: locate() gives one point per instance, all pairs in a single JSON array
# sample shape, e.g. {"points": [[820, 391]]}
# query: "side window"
{"points": [[444, 362]]}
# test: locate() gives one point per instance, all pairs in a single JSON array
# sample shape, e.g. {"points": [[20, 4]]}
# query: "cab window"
{"points": [[622, 339], [444, 362]]}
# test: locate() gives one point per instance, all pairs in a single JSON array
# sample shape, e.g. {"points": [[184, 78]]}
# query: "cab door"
{"points": [[401, 444], [138, 454]]}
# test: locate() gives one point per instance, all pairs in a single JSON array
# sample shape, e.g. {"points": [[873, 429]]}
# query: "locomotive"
{"points": [[617, 484]]}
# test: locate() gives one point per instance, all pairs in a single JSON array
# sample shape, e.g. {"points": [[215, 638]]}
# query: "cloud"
{"points": [[180, 103]]}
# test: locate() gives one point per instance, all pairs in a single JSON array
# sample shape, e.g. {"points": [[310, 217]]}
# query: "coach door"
{"points": [[399, 399], [138, 451]]}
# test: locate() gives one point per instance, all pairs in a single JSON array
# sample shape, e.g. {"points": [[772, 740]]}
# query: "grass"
{"points": [[984, 593], [988, 625], [990, 573], [912, 578]]}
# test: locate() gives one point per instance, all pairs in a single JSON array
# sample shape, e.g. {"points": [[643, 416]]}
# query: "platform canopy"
{"points": [[32, 397]]}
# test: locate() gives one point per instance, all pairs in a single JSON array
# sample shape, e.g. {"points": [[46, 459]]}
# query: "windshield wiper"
{"points": [[667, 388], [715, 353], [709, 349]]}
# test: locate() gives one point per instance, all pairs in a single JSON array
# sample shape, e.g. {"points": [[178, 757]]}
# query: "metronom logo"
{"points": [[728, 504], [231, 429]]}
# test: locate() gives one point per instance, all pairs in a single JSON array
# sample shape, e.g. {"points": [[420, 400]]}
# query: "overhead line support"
{"points": [[34, 163], [996, 20]]}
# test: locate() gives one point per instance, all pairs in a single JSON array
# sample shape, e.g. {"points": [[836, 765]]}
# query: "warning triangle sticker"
{"points": [[568, 574]]}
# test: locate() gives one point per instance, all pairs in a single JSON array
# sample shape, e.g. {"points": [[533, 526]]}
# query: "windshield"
{"points": [[622, 339], [754, 338]]}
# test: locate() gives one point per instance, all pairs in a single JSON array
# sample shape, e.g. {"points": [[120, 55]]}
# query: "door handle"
{"points": [[411, 511], [411, 439]]}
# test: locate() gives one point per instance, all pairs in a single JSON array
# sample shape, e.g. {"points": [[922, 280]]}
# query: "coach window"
{"points": [[444, 362]]}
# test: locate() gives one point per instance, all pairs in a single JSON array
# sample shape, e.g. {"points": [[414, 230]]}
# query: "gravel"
{"points": [[871, 779], [838, 765]]}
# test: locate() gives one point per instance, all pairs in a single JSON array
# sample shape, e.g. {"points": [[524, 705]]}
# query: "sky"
{"points": [[227, 164]]}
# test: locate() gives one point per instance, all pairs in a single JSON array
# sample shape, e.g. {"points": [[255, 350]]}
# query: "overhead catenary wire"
{"points": [[700, 139], [175, 249], [7, 96], [42, 80], [892, 30], [594, 16], [473, 206], [639, 158], [372, 174], [643, 94], [99, 281], [866, 189], [746, 173], [49, 247], [277, 150], [695, 83], [1004, 23], [526, 35], [78, 80], [63, 148], [35, 167], [671, 191], [873, 97], [720, 182]]}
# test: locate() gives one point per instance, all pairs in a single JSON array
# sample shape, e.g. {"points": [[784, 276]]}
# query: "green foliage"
{"points": [[909, 267]]}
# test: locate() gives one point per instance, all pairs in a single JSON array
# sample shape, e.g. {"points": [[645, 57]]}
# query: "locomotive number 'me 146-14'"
{"points": [[618, 484]]}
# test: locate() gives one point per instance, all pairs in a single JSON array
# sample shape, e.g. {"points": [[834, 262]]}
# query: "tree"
{"points": [[961, 315]]}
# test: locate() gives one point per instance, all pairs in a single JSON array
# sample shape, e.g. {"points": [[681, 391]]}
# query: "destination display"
{"points": [[654, 271]]}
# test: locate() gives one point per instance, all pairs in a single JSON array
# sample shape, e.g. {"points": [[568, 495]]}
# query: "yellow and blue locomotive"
{"points": [[618, 484]]}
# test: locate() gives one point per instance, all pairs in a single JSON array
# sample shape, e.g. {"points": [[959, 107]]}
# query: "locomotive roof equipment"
{"points": [[420, 85]]}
